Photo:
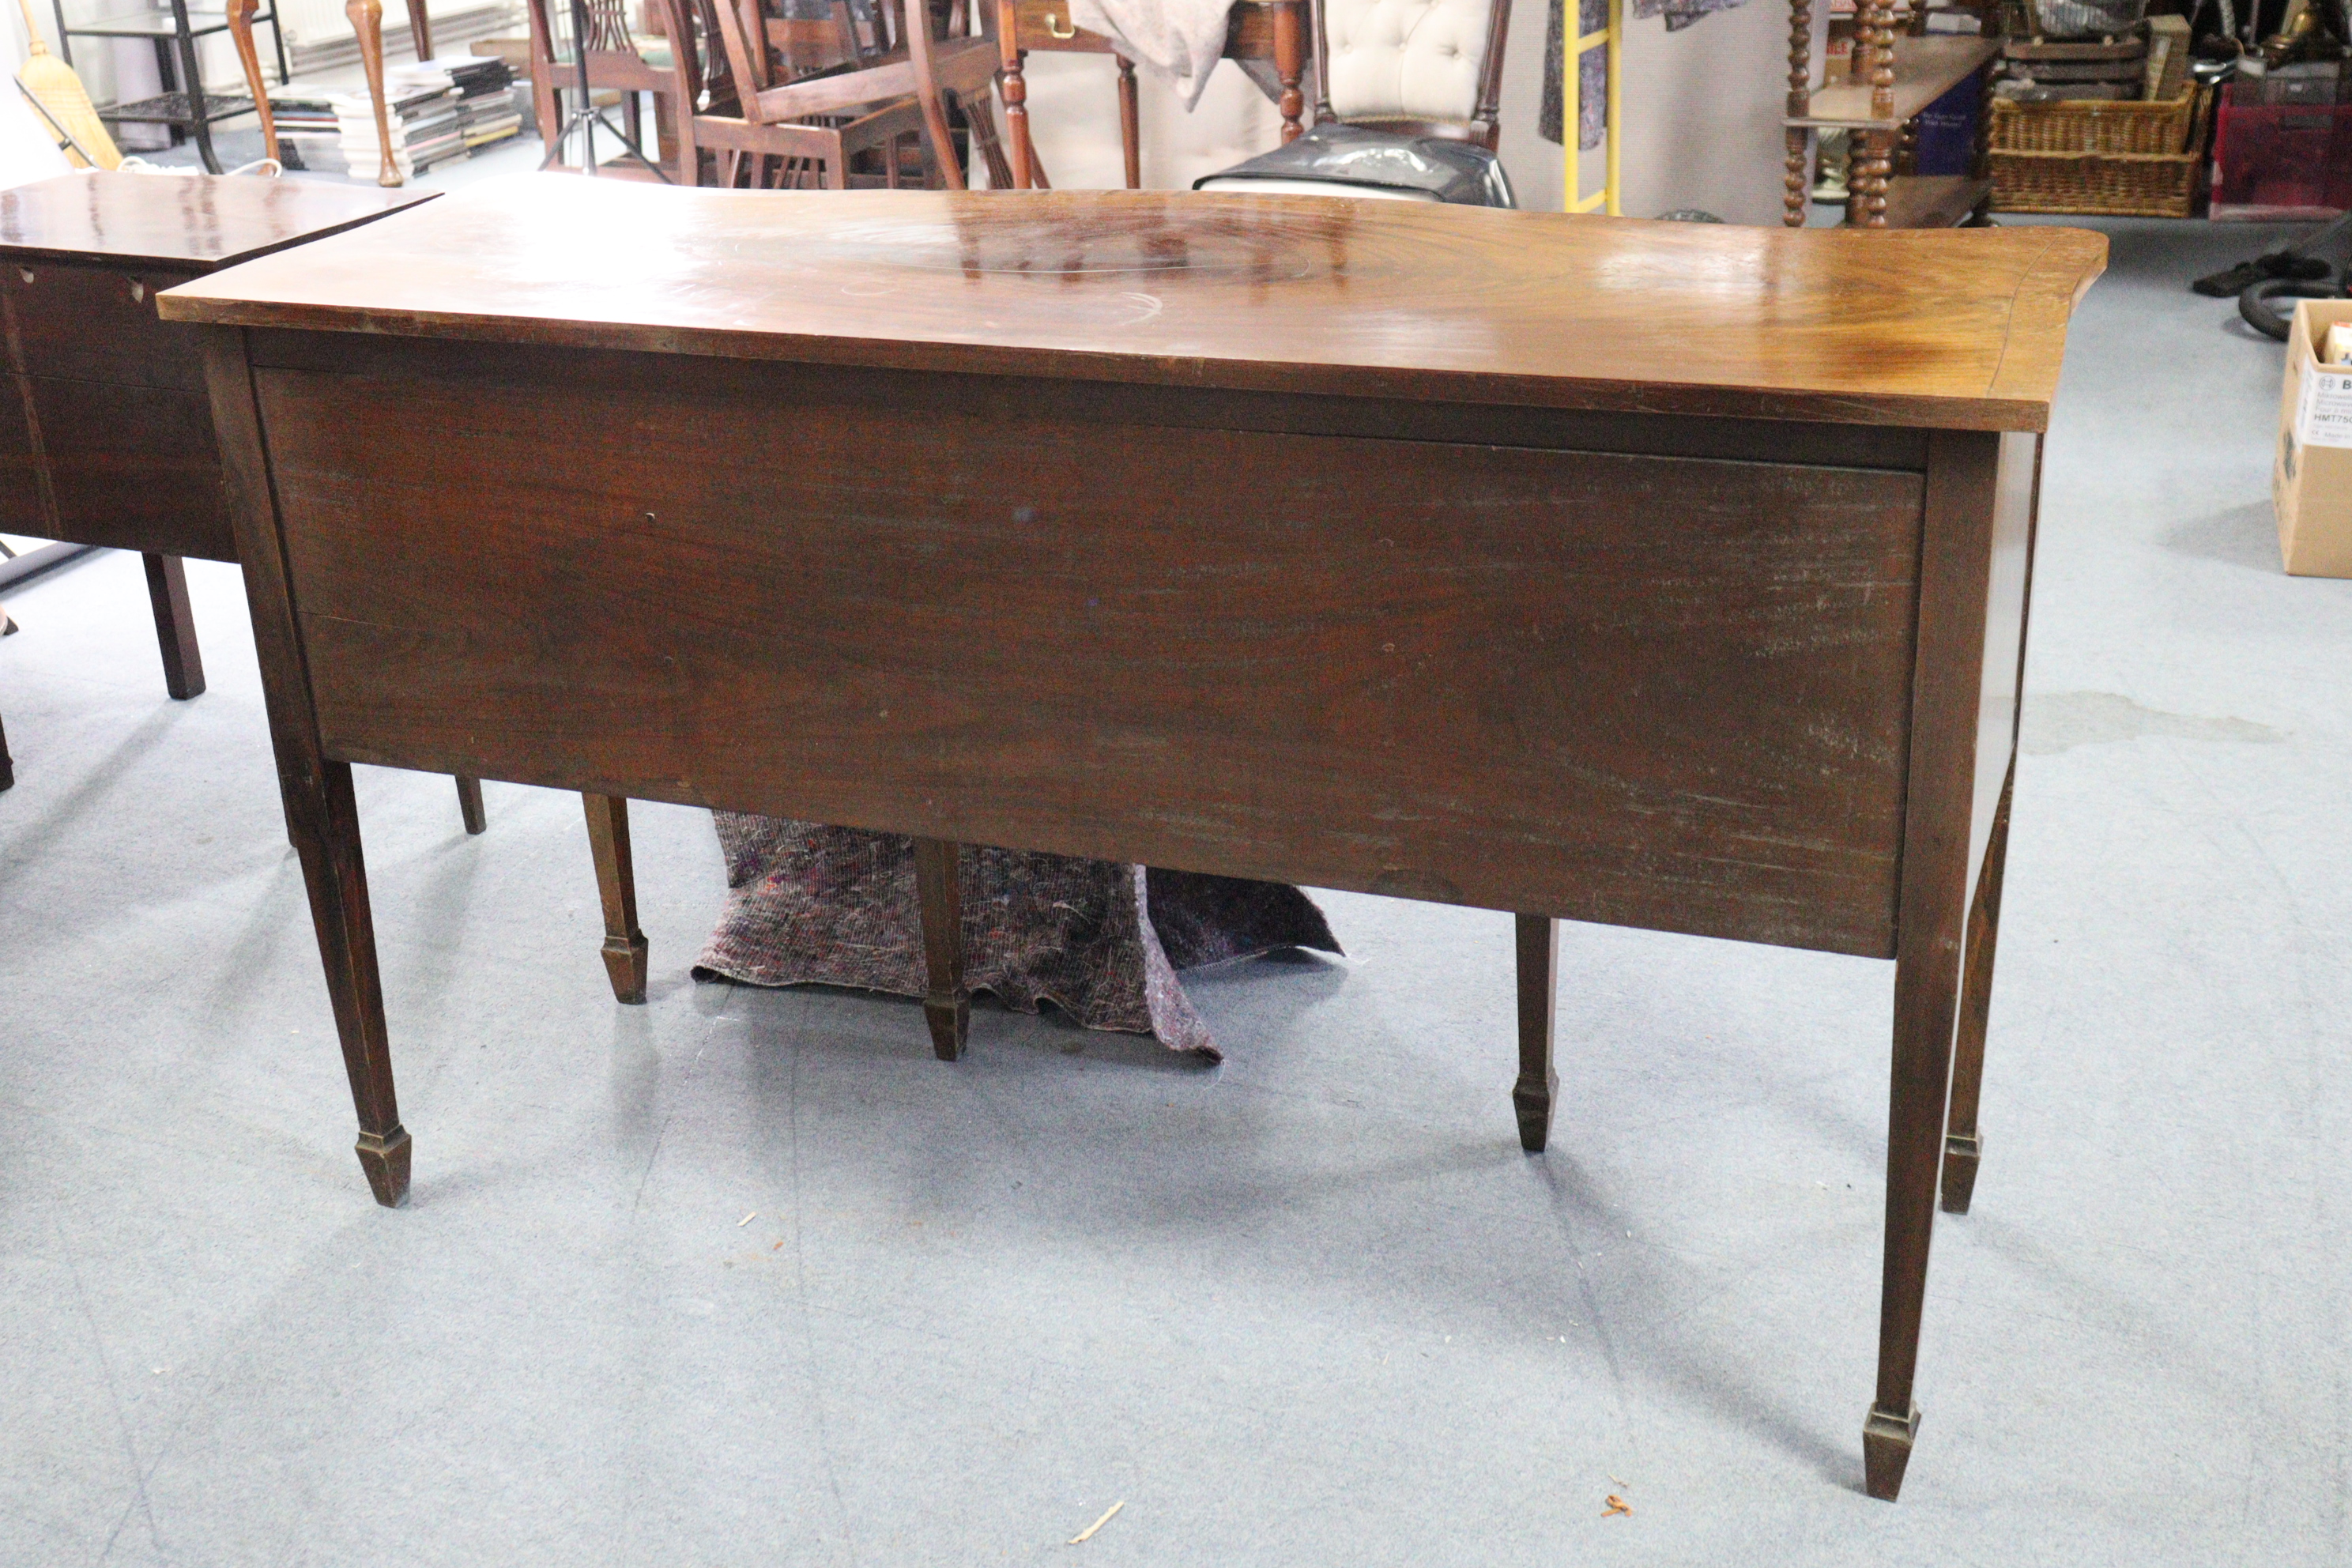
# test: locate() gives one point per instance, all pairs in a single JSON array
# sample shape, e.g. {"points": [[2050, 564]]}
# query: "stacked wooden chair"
{"points": [[833, 94]]}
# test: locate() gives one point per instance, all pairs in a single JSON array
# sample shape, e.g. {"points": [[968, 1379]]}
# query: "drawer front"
{"points": [[90, 323], [1656, 691], [134, 467], [1046, 24]]}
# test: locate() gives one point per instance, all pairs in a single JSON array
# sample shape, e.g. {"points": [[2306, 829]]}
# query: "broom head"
{"points": [[59, 92]]}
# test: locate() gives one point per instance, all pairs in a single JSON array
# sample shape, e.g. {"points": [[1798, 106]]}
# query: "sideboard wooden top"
{"points": [[1290, 294], [186, 223]]}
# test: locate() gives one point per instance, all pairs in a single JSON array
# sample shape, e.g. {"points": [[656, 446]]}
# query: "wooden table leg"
{"points": [[1931, 914], [321, 819], [470, 803], [616, 888], [1539, 1085], [326, 829], [240, 26], [420, 29], [1130, 123], [1290, 68], [939, 890], [1963, 1146], [176, 628], [367, 21]]}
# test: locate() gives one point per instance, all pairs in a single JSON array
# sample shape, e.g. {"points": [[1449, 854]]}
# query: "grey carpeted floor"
{"points": [[1313, 1307]]}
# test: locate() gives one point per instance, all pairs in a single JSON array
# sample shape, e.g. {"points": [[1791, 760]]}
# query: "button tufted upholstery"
{"points": [[1417, 59]]}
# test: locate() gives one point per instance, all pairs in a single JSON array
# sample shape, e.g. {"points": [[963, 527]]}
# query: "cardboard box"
{"points": [[2311, 470]]}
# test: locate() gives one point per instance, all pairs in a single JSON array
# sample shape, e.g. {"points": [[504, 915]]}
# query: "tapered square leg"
{"points": [[176, 628], [326, 829], [1963, 1144], [1532, 1095], [1886, 1440], [470, 803], [946, 1006], [616, 888], [384, 1159]]}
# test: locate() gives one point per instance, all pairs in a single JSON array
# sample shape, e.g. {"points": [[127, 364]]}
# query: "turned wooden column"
{"points": [[1014, 90], [1800, 71]]}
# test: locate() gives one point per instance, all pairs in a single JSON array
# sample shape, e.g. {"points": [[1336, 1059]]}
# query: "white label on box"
{"points": [[2323, 416]]}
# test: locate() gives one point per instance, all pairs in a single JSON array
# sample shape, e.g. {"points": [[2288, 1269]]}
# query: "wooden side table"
{"points": [[1273, 30], [1614, 572], [108, 439]]}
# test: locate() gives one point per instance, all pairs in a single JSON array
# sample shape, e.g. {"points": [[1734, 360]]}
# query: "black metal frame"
{"points": [[586, 116], [189, 106]]}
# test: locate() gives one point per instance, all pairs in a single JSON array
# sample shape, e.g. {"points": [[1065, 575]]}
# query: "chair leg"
{"points": [[1130, 133], [176, 628], [470, 803], [7, 764], [1538, 1085], [947, 1008], [1963, 1145], [616, 887]]}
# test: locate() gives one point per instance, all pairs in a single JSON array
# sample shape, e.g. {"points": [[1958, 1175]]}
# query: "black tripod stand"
{"points": [[586, 116]]}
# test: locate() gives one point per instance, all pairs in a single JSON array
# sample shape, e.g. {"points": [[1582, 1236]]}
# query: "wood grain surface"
{"points": [[132, 467], [1359, 299], [1661, 692], [97, 323], [192, 222]]}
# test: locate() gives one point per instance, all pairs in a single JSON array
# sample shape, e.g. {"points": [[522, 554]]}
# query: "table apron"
{"points": [[1663, 692]]}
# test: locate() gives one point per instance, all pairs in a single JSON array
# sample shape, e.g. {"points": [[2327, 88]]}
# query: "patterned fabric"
{"points": [[1593, 80], [1103, 942]]}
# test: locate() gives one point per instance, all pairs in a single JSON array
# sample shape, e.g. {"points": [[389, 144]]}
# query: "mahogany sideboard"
{"points": [[105, 436], [110, 439], [1584, 568]]}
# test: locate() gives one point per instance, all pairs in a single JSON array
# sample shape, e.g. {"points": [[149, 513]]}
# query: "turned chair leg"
{"points": [[1130, 123], [616, 887], [1963, 1145], [946, 1006], [1538, 1085], [176, 628]]}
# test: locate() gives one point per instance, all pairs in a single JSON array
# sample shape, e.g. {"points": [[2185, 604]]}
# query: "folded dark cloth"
{"points": [[1101, 941]]}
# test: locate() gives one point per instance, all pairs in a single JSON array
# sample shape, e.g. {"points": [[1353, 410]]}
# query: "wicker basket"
{"points": [[2087, 126], [2113, 160]]}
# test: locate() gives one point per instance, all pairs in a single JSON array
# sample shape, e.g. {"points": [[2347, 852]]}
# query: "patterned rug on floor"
{"points": [[1101, 941]]}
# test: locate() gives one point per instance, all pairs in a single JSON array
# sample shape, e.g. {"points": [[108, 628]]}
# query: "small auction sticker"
{"points": [[2322, 417]]}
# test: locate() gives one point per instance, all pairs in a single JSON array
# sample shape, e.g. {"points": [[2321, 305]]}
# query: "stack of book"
{"points": [[308, 136], [487, 112], [421, 116]]}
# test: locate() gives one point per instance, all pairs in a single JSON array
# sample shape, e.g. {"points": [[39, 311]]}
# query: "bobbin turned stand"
{"points": [[1875, 93]]}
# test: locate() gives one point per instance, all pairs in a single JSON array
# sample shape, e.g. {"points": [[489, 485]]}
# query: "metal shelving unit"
{"points": [[174, 29]]}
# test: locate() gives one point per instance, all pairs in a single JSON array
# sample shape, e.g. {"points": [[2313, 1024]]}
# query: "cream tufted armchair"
{"points": [[1405, 107]]}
